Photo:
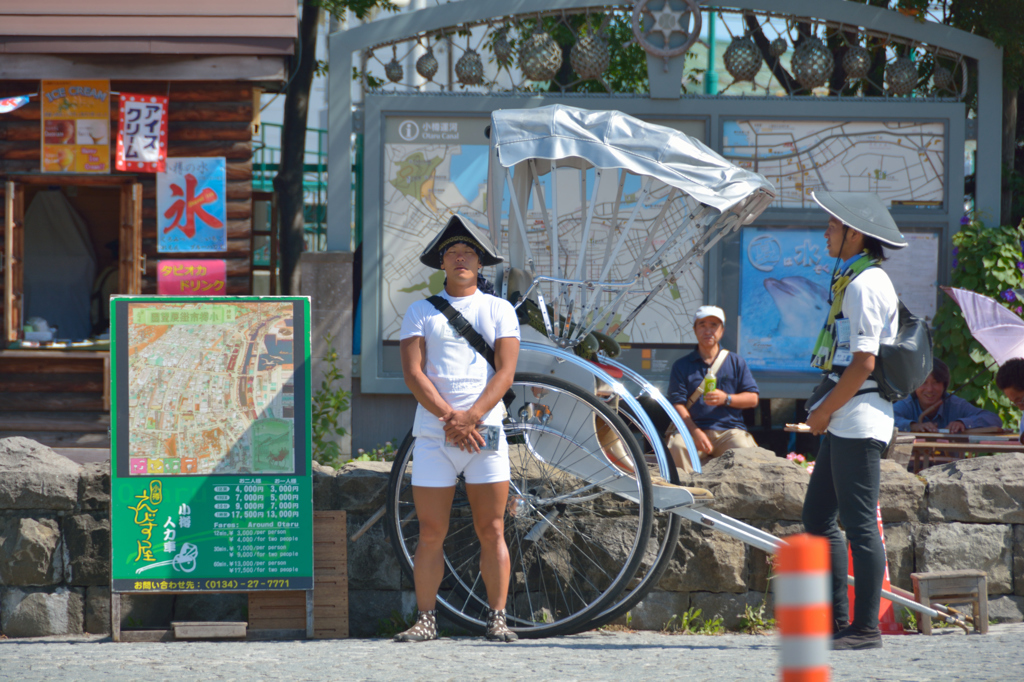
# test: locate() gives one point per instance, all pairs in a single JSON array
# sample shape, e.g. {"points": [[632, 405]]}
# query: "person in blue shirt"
{"points": [[715, 418], [931, 408], [1010, 380]]}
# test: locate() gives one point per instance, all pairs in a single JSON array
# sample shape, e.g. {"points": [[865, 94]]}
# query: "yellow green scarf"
{"points": [[825, 346]]}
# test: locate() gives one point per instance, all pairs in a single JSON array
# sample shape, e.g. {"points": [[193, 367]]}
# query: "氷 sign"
{"points": [[211, 478], [191, 207]]}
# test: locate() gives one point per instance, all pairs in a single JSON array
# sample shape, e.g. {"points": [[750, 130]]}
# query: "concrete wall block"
{"points": [[754, 484], [730, 607], [97, 610], [367, 608], [977, 490], [94, 487], [372, 563], [30, 551], [1005, 609], [87, 537], [759, 562], [899, 550], [706, 560], [1018, 560], [32, 476], [656, 610], [38, 612], [956, 546], [901, 494], [361, 486]]}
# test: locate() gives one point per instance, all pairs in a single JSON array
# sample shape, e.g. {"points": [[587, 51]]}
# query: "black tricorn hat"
{"points": [[460, 229]]}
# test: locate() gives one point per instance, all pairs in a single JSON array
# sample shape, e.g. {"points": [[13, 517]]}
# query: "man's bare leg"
{"points": [[488, 501], [433, 509]]}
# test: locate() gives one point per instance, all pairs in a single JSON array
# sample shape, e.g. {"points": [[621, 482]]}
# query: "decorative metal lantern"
{"points": [[426, 65], [589, 57], [470, 68], [393, 69], [812, 64], [943, 78], [742, 59], [778, 47], [901, 76], [540, 57], [502, 48], [856, 62]]}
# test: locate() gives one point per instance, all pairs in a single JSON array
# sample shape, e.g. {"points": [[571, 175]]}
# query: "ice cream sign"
{"points": [[76, 126]]}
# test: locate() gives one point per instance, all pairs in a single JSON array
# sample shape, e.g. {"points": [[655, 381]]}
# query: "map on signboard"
{"points": [[903, 162], [427, 177], [211, 388]]}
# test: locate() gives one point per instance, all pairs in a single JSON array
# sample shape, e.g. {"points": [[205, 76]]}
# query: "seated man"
{"points": [[714, 418], [1010, 380], [930, 408]]}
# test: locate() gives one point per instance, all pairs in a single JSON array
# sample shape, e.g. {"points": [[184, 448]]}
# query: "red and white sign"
{"points": [[141, 133]]}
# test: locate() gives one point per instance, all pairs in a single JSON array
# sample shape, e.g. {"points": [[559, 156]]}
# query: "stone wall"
{"points": [[55, 541]]}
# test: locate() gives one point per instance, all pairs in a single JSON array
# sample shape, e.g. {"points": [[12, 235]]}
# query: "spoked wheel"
{"points": [[577, 523], [660, 548]]}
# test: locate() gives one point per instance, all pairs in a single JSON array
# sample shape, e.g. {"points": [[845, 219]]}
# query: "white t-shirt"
{"points": [[872, 310], [459, 373]]}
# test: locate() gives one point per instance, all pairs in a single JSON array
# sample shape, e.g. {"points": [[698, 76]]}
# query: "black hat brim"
{"points": [[460, 226]]}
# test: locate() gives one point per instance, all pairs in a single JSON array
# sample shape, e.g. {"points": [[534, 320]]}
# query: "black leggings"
{"points": [[844, 485]]}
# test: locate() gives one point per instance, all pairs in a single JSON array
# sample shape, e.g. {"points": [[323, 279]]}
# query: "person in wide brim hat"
{"points": [[864, 212], [460, 230]]}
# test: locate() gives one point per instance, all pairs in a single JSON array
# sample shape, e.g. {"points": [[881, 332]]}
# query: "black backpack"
{"points": [[902, 366]]}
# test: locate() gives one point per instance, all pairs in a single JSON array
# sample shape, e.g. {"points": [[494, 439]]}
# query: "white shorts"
{"points": [[436, 465]]}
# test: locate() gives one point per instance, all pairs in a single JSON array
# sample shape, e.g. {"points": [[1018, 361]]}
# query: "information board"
{"points": [[784, 279], [211, 483]]}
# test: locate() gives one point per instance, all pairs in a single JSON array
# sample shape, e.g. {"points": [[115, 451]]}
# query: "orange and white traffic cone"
{"points": [[803, 608], [887, 622]]}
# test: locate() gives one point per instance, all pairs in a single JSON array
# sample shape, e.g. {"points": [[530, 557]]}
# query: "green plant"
{"points": [[691, 623], [909, 619], [987, 261], [328, 404], [381, 453], [753, 621], [395, 623]]}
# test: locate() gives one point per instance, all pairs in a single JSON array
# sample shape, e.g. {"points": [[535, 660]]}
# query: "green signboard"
{"points": [[211, 483]]}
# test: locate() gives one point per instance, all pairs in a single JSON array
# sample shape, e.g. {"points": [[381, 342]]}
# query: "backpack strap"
{"points": [[464, 328], [715, 366]]}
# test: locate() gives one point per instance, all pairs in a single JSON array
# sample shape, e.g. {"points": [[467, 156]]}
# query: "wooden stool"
{"points": [[952, 587]]}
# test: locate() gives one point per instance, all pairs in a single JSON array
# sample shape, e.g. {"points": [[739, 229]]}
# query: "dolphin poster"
{"points": [[784, 280]]}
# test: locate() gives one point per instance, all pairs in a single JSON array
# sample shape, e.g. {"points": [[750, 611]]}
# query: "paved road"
{"points": [[594, 656]]}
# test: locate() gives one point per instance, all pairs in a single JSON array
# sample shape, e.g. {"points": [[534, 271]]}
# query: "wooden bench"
{"points": [[953, 587]]}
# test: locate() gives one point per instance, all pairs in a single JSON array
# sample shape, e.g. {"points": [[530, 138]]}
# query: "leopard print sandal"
{"points": [[497, 630], [424, 630]]}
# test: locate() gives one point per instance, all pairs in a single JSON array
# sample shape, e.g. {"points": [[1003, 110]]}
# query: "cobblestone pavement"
{"points": [[619, 656]]}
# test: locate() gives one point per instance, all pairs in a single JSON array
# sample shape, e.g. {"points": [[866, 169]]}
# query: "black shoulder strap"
{"points": [[464, 328]]}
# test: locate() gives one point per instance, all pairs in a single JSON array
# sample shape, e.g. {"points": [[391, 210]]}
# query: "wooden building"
{"points": [[213, 60]]}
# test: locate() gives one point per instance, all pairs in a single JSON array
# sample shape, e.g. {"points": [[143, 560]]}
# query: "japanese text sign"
{"points": [[75, 124], [141, 133], [191, 206], [211, 476], [198, 277]]}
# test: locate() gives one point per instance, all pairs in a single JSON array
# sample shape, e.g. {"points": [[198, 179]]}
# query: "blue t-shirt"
{"points": [[953, 409], [733, 377]]}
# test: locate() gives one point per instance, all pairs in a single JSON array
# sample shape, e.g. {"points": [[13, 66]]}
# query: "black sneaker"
{"points": [[838, 627], [852, 639], [424, 630]]}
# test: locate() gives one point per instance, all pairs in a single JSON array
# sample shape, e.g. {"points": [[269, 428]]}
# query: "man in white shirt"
{"points": [[854, 418], [458, 420]]}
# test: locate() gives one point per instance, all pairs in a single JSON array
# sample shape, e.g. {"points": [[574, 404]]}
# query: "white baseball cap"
{"points": [[709, 311]]}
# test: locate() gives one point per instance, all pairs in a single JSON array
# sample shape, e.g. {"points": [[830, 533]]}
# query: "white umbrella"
{"points": [[992, 324]]}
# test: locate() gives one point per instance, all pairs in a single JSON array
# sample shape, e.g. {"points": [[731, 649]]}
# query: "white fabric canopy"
{"points": [[612, 139]]}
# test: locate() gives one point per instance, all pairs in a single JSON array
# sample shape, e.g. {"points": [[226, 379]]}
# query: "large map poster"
{"points": [[211, 486], [903, 162], [435, 166]]}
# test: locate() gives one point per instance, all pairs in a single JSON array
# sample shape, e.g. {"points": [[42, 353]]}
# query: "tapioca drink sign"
{"points": [[75, 126]]}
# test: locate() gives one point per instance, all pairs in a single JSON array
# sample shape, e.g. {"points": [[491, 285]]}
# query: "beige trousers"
{"points": [[721, 441]]}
